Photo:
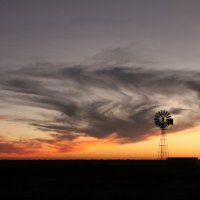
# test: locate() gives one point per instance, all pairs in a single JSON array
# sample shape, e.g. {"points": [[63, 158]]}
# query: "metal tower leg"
{"points": [[163, 147]]}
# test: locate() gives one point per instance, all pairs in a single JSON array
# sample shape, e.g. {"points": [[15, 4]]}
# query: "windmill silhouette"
{"points": [[163, 119]]}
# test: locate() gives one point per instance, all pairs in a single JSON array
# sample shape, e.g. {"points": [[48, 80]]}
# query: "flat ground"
{"points": [[98, 180]]}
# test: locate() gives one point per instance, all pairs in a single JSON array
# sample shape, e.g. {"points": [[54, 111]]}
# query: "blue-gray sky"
{"points": [[74, 30]]}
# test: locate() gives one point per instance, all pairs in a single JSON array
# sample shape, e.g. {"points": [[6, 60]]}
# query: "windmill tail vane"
{"points": [[170, 121]]}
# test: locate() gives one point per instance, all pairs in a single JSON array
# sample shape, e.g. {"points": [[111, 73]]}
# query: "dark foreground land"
{"points": [[98, 180]]}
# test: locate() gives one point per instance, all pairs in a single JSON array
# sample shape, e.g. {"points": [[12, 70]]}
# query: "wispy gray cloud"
{"points": [[105, 99]]}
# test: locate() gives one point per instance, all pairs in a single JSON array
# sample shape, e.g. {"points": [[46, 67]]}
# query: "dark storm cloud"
{"points": [[98, 101], [177, 111], [194, 85], [17, 84]]}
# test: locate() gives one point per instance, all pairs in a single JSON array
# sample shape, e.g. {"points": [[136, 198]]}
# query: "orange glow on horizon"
{"points": [[183, 143]]}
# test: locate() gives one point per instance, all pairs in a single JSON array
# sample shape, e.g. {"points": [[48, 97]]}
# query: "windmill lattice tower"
{"points": [[163, 119]]}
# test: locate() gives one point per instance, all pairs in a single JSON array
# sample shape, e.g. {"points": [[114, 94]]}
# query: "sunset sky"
{"points": [[83, 79]]}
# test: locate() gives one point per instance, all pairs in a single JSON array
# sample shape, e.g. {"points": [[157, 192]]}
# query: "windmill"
{"points": [[163, 119]]}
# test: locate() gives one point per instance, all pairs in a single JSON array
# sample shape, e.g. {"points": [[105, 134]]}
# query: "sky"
{"points": [[84, 79]]}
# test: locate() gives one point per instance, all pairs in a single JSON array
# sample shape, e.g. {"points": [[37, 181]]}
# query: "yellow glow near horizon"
{"points": [[181, 144]]}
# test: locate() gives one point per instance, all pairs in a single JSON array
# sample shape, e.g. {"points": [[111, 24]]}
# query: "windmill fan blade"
{"points": [[156, 116], [166, 125]]}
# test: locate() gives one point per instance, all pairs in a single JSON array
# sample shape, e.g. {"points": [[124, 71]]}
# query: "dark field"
{"points": [[94, 179]]}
